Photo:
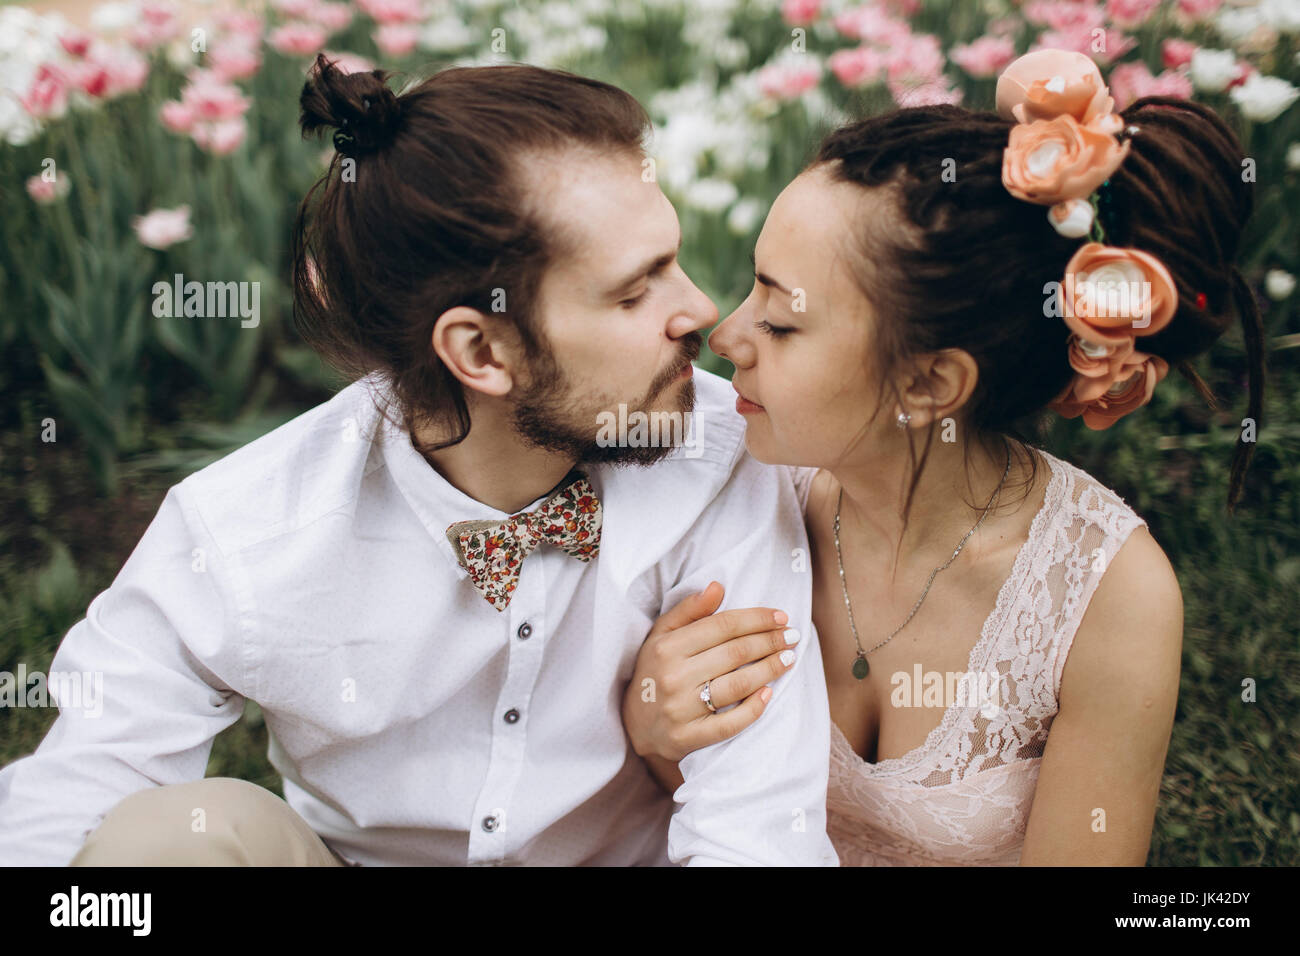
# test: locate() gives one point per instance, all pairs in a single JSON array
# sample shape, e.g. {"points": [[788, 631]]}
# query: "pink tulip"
{"points": [[222, 137], [47, 97], [787, 81], [1175, 53], [985, 56], [234, 58], [1130, 14], [871, 25], [1064, 15], [44, 191], [915, 60], [332, 16], [296, 9], [76, 42], [159, 24], [90, 78], [126, 69], [177, 116], [799, 13], [860, 66], [1195, 11], [396, 39], [346, 62], [163, 227], [297, 39], [1080, 40], [393, 11], [1132, 81], [211, 99], [1244, 70], [242, 22]]}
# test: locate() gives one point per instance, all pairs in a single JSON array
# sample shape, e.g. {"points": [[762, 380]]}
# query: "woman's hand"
{"points": [[739, 651]]}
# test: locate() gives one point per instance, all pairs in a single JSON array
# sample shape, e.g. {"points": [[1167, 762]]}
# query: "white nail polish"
{"points": [[791, 636], [787, 658]]}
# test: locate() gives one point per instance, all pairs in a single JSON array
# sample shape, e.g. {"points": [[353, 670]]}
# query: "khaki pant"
{"points": [[241, 824]]}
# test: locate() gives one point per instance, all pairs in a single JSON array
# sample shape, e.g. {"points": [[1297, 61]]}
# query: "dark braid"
{"points": [[967, 266]]}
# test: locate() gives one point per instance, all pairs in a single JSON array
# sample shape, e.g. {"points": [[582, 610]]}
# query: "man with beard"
{"points": [[436, 583]]}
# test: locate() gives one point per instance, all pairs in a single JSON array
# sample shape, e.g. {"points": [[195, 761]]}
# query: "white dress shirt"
{"points": [[412, 722]]}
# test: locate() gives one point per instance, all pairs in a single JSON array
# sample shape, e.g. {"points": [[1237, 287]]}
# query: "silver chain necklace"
{"points": [[860, 666]]}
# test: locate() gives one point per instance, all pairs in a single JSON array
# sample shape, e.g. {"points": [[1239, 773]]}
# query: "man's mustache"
{"points": [[691, 346]]}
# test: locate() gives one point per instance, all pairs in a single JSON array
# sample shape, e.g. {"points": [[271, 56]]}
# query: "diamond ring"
{"points": [[707, 697]]}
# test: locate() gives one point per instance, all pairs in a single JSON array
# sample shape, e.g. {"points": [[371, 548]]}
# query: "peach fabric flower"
{"points": [[1132, 388], [1049, 161], [1046, 84], [1113, 294]]}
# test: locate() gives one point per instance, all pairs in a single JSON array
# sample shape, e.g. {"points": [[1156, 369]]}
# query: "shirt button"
{"points": [[525, 631], [512, 716], [490, 823]]}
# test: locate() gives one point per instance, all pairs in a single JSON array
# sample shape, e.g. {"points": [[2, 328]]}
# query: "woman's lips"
{"points": [[745, 406]]}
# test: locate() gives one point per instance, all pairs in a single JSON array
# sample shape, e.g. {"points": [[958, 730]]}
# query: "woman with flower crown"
{"points": [[1002, 671]]}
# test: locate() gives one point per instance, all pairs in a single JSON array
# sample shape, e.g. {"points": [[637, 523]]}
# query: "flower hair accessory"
{"points": [[1066, 144]]}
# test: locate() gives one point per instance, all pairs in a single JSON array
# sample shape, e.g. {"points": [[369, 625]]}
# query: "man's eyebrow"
{"points": [[649, 268], [767, 280]]}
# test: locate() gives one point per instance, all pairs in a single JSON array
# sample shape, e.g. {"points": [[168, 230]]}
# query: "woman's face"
{"points": [[812, 380]]}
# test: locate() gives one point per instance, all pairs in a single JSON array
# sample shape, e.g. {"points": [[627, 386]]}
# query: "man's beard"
{"points": [[545, 415]]}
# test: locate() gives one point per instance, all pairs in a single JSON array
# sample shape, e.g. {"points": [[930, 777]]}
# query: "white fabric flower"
{"points": [[1071, 218]]}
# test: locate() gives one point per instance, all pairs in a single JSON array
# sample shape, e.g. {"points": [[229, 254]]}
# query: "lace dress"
{"points": [[963, 796]]}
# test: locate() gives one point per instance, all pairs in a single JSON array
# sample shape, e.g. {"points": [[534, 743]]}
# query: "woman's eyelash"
{"points": [[633, 302], [776, 331]]}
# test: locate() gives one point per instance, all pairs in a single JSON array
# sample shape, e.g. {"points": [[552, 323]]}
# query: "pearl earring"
{"points": [[903, 419]]}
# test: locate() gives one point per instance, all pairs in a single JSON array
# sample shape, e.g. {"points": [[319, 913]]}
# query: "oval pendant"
{"points": [[861, 668]]}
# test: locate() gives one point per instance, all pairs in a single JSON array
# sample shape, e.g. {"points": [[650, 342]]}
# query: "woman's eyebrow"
{"points": [[767, 280]]}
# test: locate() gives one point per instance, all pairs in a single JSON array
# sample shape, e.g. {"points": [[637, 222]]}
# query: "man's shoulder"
{"points": [[310, 465]]}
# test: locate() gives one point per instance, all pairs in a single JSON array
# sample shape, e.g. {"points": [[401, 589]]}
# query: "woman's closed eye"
{"points": [[776, 331]]}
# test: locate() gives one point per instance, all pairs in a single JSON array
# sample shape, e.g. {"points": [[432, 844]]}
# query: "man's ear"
{"points": [[941, 384], [468, 345]]}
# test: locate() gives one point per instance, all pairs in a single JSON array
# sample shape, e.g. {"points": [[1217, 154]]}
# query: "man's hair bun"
{"points": [[364, 112]]}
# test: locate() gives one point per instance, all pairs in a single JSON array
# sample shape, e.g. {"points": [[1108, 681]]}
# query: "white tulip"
{"points": [[1281, 15], [710, 194], [1212, 70], [744, 216], [1264, 98], [1279, 284]]}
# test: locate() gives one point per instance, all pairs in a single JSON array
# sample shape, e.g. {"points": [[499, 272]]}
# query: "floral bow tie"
{"points": [[492, 551]]}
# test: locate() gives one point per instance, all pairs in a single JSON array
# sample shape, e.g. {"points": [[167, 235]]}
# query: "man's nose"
{"points": [[697, 315]]}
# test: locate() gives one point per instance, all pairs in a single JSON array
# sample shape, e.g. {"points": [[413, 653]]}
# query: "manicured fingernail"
{"points": [[787, 658], [791, 636], [781, 617], [765, 694]]}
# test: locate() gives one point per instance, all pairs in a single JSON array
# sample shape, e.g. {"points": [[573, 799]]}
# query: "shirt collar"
{"points": [[436, 501]]}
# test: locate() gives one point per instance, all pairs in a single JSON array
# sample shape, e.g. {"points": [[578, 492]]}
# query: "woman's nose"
{"points": [[728, 342]]}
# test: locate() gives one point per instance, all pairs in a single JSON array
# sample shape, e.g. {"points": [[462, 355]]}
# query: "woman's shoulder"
{"points": [[1085, 500]]}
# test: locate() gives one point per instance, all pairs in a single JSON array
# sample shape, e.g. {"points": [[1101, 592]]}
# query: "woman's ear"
{"points": [[941, 384], [465, 341]]}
